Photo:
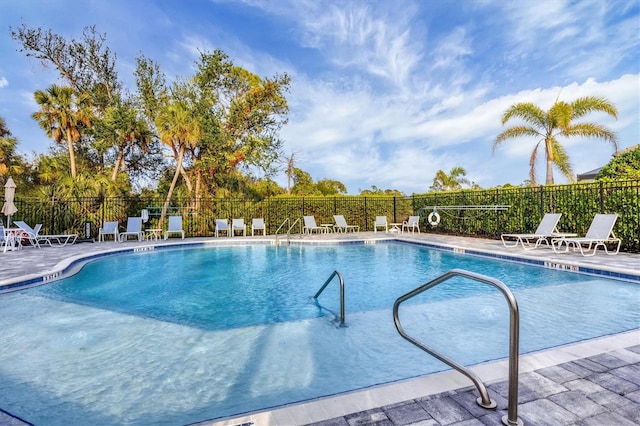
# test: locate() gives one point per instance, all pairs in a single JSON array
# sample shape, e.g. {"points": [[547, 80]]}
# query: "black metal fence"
{"points": [[474, 213]]}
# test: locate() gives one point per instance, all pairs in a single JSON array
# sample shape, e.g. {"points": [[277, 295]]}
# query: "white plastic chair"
{"points": [[238, 225], [381, 222], [222, 225], [341, 224], [412, 224], [134, 228], [108, 229], [546, 230], [310, 225], [257, 224], [175, 227], [600, 233]]}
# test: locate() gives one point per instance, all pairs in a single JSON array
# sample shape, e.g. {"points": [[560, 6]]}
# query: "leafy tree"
{"points": [[379, 191], [625, 165], [330, 187], [63, 114], [87, 65], [448, 182], [546, 126], [121, 130], [302, 183], [11, 164]]}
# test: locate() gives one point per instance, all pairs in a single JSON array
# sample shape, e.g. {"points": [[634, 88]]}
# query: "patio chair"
{"points": [[600, 233], [134, 229], [413, 224], [257, 224], [175, 227], [310, 226], [238, 225], [108, 229], [546, 230], [29, 233], [222, 225], [341, 225], [381, 222]]}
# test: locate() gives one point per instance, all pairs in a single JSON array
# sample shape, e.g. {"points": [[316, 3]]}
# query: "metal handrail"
{"points": [[288, 230], [326, 283], [280, 227], [511, 419]]}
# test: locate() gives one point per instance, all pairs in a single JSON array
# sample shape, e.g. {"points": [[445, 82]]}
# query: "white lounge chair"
{"points": [[412, 224], [35, 238], [310, 226], [257, 224], [238, 225], [175, 227], [546, 230], [600, 233], [28, 232], [108, 229], [381, 222], [341, 225], [222, 225], [134, 229]]}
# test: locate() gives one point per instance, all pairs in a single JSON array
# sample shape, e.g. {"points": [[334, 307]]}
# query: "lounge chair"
{"points": [[257, 224], [310, 226], [108, 229], [35, 238], [341, 225], [381, 222], [238, 225], [134, 229], [28, 232], [222, 225], [175, 227], [600, 233], [413, 224], [546, 230]]}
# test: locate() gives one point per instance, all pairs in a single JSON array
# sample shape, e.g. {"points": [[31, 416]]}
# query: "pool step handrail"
{"points": [[280, 227], [326, 283], [511, 419], [287, 220]]}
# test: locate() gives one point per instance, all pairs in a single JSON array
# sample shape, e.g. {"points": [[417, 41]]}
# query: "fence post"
{"points": [[394, 210], [601, 187]]}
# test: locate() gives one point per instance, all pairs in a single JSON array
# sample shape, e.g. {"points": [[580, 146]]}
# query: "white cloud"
{"points": [[3, 82]]}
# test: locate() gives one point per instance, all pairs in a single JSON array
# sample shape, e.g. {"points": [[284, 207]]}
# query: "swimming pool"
{"points": [[152, 343]]}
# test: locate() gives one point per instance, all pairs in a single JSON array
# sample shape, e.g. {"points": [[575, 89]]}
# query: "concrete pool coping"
{"points": [[35, 267]]}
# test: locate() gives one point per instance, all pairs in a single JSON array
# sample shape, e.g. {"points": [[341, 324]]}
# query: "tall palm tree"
{"points": [[63, 115], [558, 121], [179, 130]]}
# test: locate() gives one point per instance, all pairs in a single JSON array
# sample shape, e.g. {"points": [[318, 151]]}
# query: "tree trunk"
{"points": [[172, 187], [549, 180], [116, 167], [72, 155]]}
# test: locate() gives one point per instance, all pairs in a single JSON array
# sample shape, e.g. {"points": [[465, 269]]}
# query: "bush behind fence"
{"points": [[578, 204]]}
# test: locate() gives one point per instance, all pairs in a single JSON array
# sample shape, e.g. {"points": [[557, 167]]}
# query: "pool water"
{"points": [[186, 335]]}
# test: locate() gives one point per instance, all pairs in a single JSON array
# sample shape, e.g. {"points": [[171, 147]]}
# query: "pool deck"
{"points": [[595, 382]]}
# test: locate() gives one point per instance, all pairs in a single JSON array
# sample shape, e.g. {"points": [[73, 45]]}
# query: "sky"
{"points": [[383, 93]]}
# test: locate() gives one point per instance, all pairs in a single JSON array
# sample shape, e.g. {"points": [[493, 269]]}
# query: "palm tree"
{"points": [[63, 115], [454, 180], [179, 130], [558, 121]]}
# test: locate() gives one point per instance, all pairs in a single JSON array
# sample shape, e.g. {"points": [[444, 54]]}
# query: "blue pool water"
{"points": [[179, 336]]}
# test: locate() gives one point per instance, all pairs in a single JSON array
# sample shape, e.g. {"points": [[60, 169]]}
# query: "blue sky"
{"points": [[383, 93]]}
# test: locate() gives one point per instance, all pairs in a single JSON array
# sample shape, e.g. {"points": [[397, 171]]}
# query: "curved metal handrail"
{"points": [[296, 222], [326, 283], [511, 419]]}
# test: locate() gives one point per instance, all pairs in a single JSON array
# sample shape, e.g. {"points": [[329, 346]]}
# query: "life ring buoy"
{"points": [[434, 218]]}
